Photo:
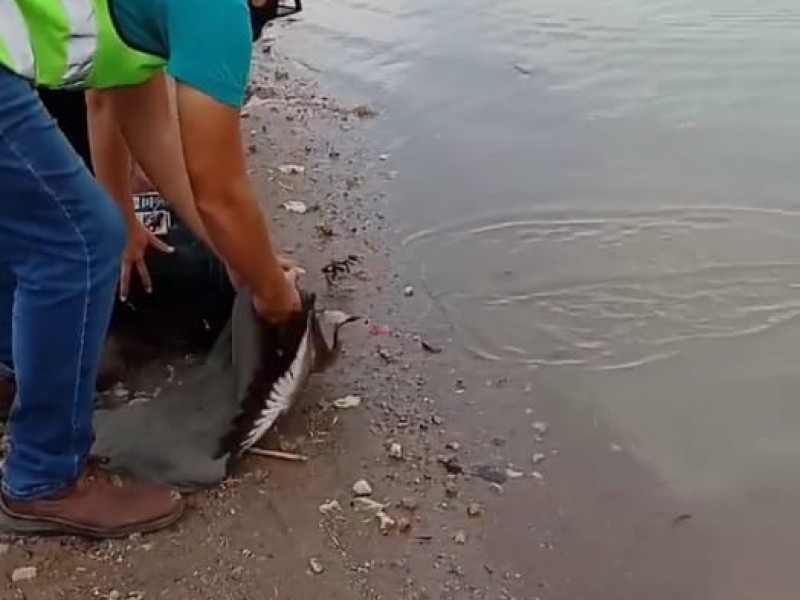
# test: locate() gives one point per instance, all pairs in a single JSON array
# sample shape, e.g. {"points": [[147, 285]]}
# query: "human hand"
{"points": [[283, 298], [139, 239]]}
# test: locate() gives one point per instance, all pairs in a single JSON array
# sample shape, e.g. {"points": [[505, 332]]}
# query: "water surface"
{"points": [[606, 194]]}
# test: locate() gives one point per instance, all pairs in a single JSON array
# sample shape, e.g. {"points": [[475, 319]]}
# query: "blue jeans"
{"points": [[61, 243]]}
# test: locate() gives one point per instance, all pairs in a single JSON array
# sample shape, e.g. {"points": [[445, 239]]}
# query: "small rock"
{"points": [[451, 489], [403, 525], [454, 446], [437, 420], [292, 169], [295, 206], [539, 457], [460, 537], [537, 475], [451, 464], [114, 595], [23, 574], [316, 566], [474, 510], [512, 474], [330, 506], [408, 291], [347, 402], [540, 427], [362, 488], [408, 503], [386, 523], [396, 451], [237, 571], [383, 157]]}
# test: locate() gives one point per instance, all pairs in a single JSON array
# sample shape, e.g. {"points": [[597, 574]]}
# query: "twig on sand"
{"points": [[290, 456]]}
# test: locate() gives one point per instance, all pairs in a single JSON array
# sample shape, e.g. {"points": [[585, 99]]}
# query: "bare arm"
{"points": [[147, 124], [214, 155], [110, 156]]}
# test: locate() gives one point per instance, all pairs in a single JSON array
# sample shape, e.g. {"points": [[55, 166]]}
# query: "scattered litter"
{"points": [[474, 510], [428, 347], [539, 457], [347, 402], [292, 169], [368, 505], [316, 566], [362, 488], [403, 525], [290, 456], [540, 427], [23, 574], [386, 523], [512, 474], [380, 330], [408, 291], [396, 451], [295, 206], [330, 506], [460, 537]]}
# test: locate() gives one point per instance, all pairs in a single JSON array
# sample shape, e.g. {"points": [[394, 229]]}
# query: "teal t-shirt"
{"points": [[207, 43]]}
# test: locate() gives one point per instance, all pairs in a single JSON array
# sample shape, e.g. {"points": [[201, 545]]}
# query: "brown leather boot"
{"points": [[98, 505]]}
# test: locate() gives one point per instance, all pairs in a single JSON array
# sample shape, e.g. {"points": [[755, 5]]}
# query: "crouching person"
{"points": [[62, 236]]}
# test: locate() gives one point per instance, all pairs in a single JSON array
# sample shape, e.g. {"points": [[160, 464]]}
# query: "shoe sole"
{"points": [[15, 523]]}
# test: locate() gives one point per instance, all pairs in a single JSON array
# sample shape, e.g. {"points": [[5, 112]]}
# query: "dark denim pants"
{"points": [[61, 243]]}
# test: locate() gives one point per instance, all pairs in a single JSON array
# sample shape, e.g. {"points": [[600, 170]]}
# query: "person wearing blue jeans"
{"points": [[62, 236]]}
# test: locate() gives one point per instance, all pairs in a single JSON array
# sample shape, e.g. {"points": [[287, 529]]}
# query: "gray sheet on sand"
{"points": [[176, 438]]}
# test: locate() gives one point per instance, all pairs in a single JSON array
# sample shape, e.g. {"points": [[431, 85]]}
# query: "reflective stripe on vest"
{"points": [[15, 46], [64, 59]]}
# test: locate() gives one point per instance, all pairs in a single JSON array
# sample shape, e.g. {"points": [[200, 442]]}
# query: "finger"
{"points": [[159, 244], [147, 282], [124, 280]]}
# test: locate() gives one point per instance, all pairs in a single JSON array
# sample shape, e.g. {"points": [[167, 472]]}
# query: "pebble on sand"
{"points": [[460, 537], [23, 574], [347, 402], [396, 451], [408, 291], [292, 169], [474, 510], [539, 457], [295, 206], [362, 488], [316, 566]]}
